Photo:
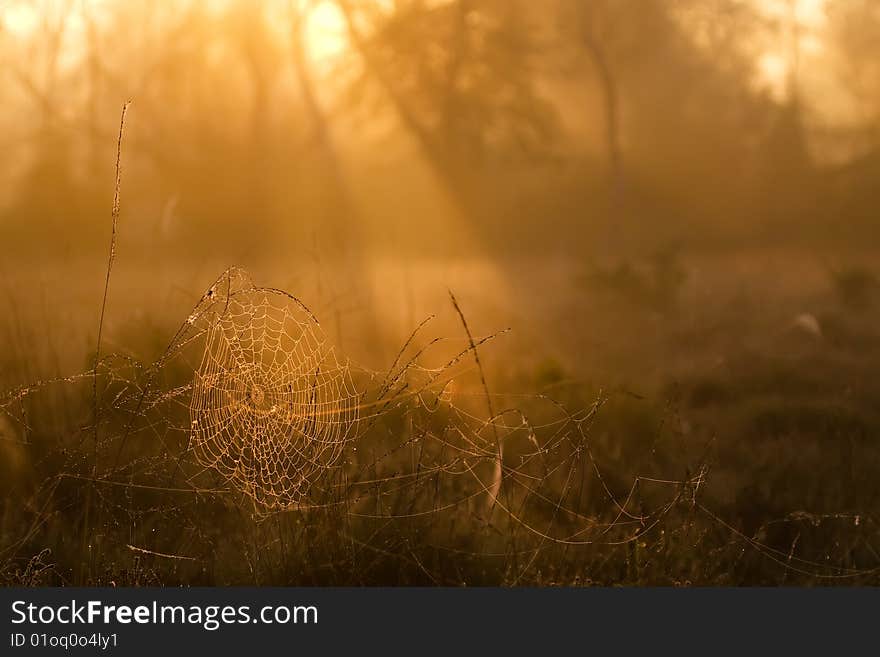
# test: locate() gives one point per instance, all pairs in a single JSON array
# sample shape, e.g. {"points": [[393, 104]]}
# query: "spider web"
{"points": [[271, 405]]}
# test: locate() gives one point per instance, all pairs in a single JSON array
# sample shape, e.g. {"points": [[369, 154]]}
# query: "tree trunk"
{"points": [[611, 105]]}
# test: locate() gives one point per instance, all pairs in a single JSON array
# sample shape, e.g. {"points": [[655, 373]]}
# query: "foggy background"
{"points": [[672, 200], [367, 155], [438, 128]]}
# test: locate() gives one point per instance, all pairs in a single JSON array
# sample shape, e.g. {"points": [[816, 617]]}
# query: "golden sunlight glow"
{"points": [[325, 32], [773, 70], [809, 13], [809, 20], [19, 18]]}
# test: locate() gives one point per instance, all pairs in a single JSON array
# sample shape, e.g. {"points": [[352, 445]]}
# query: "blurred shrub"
{"points": [[655, 285], [855, 286]]}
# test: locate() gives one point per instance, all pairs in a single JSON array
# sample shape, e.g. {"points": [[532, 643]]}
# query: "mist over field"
{"points": [[439, 292]]}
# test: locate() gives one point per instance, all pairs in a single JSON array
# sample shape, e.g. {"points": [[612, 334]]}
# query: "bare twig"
{"points": [[499, 447], [114, 214]]}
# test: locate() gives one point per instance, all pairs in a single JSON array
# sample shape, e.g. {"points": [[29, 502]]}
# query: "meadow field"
{"points": [[729, 437], [452, 293]]}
